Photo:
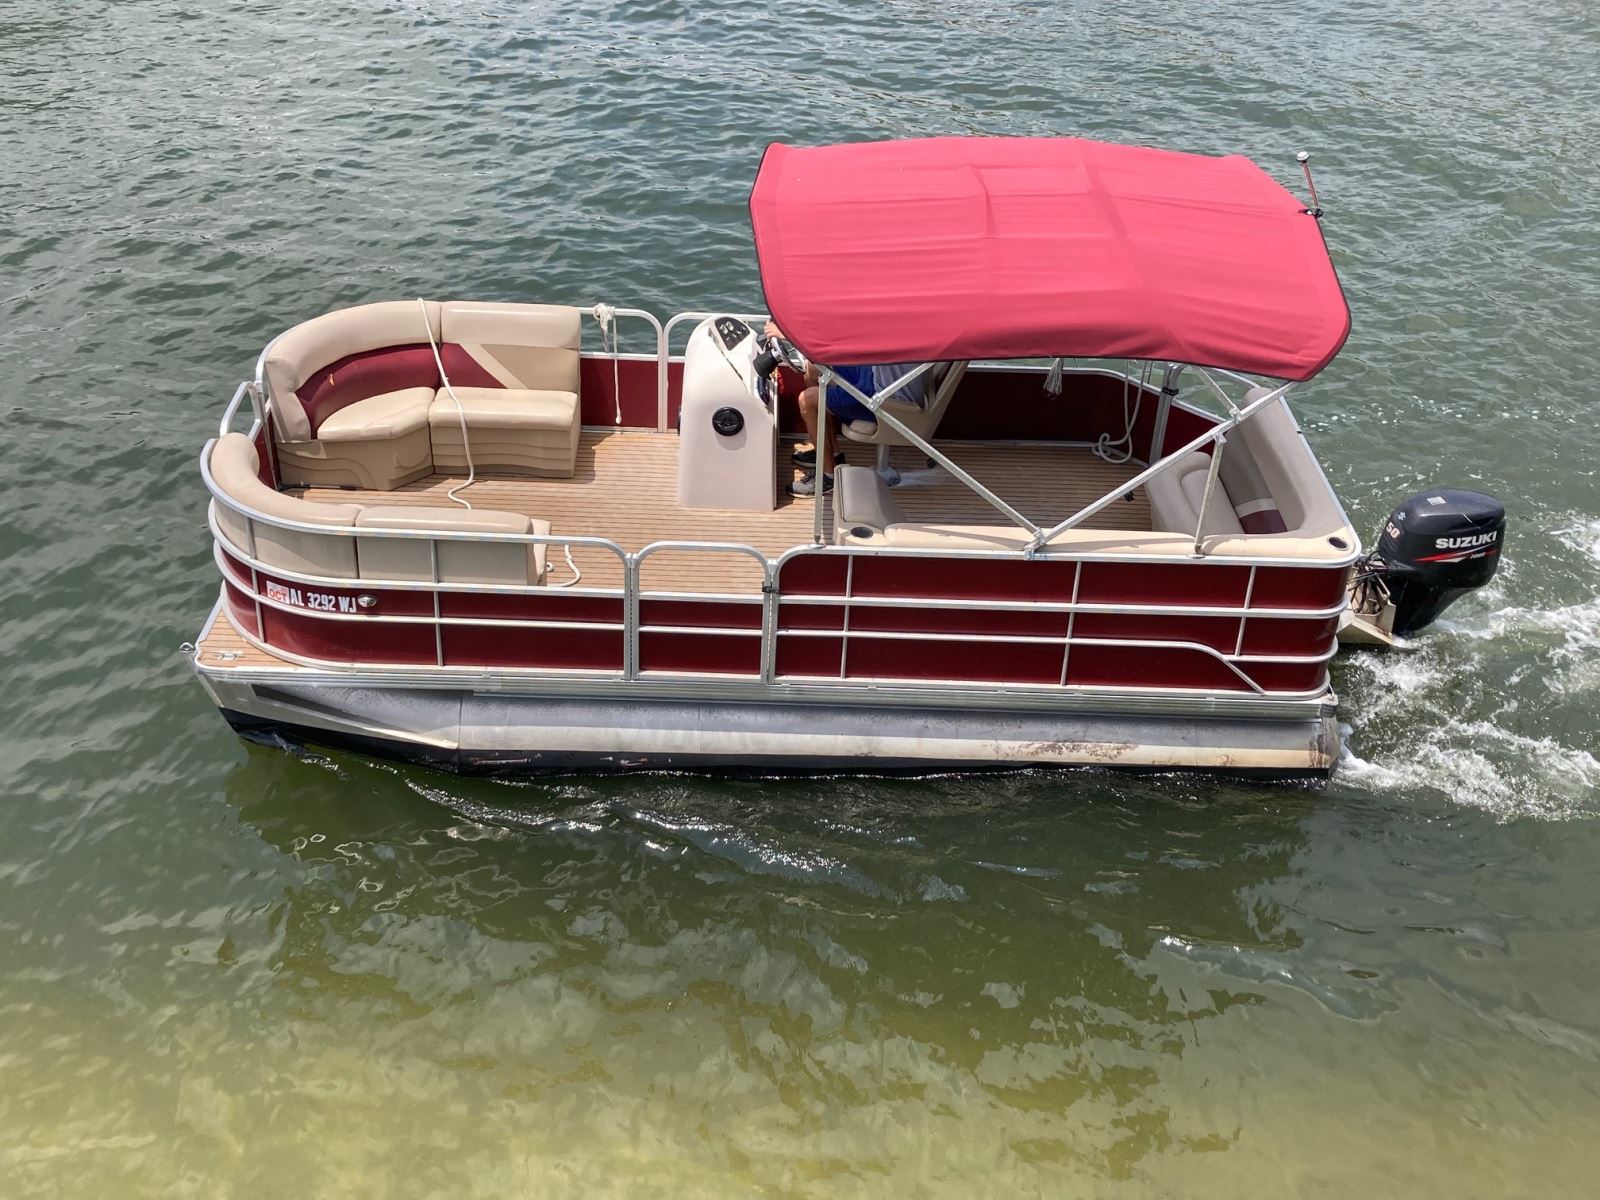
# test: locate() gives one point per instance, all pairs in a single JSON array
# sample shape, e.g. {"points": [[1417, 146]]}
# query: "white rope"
{"points": [[1120, 450], [466, 447], [606, 314]]}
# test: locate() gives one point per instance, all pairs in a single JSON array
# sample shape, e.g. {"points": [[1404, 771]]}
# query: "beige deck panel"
{"points": [[626, 488]]}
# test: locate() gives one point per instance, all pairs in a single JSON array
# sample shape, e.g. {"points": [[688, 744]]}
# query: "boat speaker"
{"points": [[1436, 547]]}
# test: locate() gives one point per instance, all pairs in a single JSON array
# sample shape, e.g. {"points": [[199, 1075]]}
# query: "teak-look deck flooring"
{"points": [[625, 488]]}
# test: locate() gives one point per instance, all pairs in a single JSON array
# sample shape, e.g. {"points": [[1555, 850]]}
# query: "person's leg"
{"points": [[807, 484], [808, 396], [808, 412]]}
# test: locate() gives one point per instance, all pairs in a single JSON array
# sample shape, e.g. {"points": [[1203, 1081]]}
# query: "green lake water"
{"points": [[235, 971]]}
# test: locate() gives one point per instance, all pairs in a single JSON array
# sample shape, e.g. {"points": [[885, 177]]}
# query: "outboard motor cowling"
{"points": [[1436, 547]]}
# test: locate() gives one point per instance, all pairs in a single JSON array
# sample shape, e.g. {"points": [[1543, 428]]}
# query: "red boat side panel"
{"points": [[992, 404], [810, 616], [707, 614], [1299, 587], [1220, 633], [1288, 677], [1183, 427], [808, 656], [1026, 622], [721, 654], [233, 568], [1272, 635], [556, 649], [964, 579], [674, 391], [985, 662], [1138, 666], [349, 641], [818, 574], [545, 606], [636, 378], [1180, 583], [241, 607]]}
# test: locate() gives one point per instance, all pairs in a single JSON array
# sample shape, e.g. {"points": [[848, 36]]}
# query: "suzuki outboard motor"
{"points": [[1437, 547]]}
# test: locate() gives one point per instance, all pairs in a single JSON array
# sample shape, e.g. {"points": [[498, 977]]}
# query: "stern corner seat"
{"points": [[234, 470]]}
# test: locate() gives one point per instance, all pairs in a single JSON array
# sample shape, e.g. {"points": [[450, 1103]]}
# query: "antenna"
{"points": [[1304, 159]]}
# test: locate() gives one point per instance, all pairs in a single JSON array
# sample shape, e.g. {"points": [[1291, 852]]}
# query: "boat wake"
{"points": [[1443, 714]]}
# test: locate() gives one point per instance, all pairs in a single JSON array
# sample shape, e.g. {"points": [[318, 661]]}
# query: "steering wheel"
{"points": [[773, 352], [792, 356]]}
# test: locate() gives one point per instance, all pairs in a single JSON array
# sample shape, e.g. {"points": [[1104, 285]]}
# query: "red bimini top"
{"points": [[963, 248]]}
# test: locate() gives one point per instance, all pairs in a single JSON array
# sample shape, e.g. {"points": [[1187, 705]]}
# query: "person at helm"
{"points": [[842, 407]]}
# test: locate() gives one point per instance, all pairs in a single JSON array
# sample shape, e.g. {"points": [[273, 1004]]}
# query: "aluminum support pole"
{"points": [[1211, 486], [875, 403], [1156, 468]]}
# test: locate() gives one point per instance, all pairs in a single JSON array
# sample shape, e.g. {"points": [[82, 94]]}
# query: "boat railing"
{"points": [[851, 625], [853, 629]]}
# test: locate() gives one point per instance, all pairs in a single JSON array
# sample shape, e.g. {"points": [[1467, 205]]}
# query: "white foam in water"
{"points": [[1418, 693], [1480, 764], [1584, 536]]}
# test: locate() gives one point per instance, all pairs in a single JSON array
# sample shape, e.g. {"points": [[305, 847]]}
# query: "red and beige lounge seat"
{"points": [[524, 417], [356, 395], [350, 393]]}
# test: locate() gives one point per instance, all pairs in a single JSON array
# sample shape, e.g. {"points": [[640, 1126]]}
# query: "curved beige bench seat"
{"points": [[347, 395], [380, 442], [459, 561], [1269, 486], [354, 394], [233, 468], [1177, 493]]}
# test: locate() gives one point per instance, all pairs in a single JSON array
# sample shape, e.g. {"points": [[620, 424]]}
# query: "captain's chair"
{"points": [[939, 386]]}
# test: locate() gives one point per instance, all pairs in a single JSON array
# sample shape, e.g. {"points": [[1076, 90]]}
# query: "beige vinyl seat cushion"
{"points": [[390, 415], [533, 431], [1176, 495], [379, 443], [296, 355], [506, 408], [234, 467], [459, 561]]}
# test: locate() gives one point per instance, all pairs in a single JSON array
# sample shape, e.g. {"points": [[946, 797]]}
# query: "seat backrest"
{"points": [[939, 388], [233, 469], [1291, 472], [533, 346], [323, 364]]}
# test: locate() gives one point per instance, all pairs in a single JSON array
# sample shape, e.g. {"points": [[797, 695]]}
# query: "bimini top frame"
{"points": [[953, 249], [1040, 536]]}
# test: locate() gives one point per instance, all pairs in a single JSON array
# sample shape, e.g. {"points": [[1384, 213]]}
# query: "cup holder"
{"points": [[862, 531]]}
